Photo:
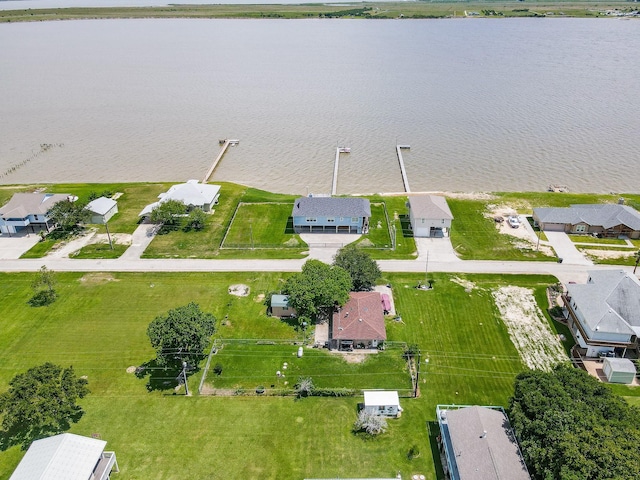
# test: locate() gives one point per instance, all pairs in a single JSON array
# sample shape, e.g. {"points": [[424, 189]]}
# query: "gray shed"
{"points": [[619, 370]]}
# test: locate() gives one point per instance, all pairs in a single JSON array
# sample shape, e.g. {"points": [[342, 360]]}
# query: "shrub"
{"points": [[370, 423], [217, 369]]}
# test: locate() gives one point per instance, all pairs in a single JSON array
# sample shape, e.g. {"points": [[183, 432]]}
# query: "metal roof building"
{"points": [[66, 457]]}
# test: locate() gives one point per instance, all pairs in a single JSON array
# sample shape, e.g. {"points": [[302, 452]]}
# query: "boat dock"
{"points": [[405, 180], [334, 182], [225, 144]]}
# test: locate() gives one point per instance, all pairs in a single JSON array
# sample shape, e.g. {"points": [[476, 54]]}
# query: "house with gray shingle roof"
{"points": [[608, 220], [331, 215], [430, 216], [604, 313], [29, 212], [478, 443]]}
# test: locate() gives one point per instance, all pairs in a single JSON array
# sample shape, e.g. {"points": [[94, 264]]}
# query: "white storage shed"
{"points": [[382, 402], [619, 370]]}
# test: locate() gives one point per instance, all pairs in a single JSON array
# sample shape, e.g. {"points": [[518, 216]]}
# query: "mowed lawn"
{"points": [[262, 225], [250, 365], [99, 323]]}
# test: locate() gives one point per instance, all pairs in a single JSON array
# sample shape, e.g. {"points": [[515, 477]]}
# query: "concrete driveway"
{"points": [[12, 247], [439, 249], [140, 240], [565, 249], [324, 246]]}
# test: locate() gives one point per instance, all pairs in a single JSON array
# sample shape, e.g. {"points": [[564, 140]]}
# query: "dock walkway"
{"points": [[405, 180], [223, 150], [336, 163]]}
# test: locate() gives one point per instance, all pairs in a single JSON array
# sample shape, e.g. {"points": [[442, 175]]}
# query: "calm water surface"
{"points": [[512, 104]]}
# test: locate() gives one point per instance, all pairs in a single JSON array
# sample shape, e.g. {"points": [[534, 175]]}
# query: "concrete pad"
{"points": [[439, 249], [324, 246], [140, 240], [12, 247], [565, 249]]}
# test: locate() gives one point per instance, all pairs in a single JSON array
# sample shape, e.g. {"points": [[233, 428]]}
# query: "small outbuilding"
{"points": [[280, 307], [619, 370], [382, 402], [102, 209]]}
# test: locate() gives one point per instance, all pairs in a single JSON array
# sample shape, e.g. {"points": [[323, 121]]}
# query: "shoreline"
{"points": [[364, 10]]}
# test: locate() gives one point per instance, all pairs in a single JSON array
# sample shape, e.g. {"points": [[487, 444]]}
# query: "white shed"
{"points": [[619, 370], [102, 209], [382, 402]]}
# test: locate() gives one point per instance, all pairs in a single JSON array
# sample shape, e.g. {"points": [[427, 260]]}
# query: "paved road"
{"points": [[564, 272]]}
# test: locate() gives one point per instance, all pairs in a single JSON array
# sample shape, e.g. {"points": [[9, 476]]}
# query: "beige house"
{"points": [[608, 220], [430, 216]]}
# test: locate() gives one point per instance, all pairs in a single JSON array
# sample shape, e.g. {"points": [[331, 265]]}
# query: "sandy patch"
{"points": [[96, 278], [529, 331], [522, 235], [259, 298], [118, 238], [468, 285], [131, 369], [117, 195], [239, 290], [608, 254], [292, 242], [354, 357]]}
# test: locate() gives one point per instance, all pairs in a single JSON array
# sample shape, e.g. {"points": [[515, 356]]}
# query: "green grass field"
{"points": [[99, 323], [600, 241]]}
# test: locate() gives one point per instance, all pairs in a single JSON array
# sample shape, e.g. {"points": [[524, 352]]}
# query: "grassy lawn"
{"points": [[592, 239], [99, 323], [262, 225], [475, 237], [378, 242], [250, 365], [100, 250]]}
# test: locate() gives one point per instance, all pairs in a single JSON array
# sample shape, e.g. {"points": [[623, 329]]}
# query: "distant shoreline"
{"points": [[357, 10]]}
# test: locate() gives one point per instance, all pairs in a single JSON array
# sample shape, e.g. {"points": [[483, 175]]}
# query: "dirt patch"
{"points": [[132, 369], [292, 242], [97, 278], [608, 254], [354, 357], [468, 285], [366, 243], [528, 329], [259, 298], [118, 238], [239, 290]]}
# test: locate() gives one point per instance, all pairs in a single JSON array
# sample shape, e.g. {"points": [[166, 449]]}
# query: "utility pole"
{"points": [[426, 269], [106, 224], [393, 235], [538, 244], [184, 375], [415, 390]]}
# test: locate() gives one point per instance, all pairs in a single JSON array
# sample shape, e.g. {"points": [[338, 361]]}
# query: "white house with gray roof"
{"points": [[29, 212], [430, 216], [604, 313], [479, 444], [331, 215], [607, 220], [66, 457], [192, 194]]}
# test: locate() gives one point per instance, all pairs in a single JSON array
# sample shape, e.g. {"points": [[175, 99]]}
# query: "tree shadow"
{"points": [[166, 376], [43, 298], [25, 434], [288, 229]]}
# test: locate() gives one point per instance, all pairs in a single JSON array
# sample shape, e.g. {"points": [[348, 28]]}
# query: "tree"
{"points": [[565, 419], [43, 285], [317, 286], [168, 213], [196, 220], [364, 271], [305, 386], [370, 423], [69, 215], [41, 402], [181, 331]]}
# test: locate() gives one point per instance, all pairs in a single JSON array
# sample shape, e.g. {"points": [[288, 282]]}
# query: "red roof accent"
{"points": [[386, 303], [361, 318]]}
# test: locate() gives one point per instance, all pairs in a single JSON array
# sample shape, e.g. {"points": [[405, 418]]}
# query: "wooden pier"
{"points": [[225, 144], [405, 180], [334, 183]]}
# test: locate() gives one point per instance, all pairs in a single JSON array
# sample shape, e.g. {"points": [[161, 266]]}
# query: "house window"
{"points": [[311, 220], [381, 408], [354, 219], [581, 228], [422, 220], [331, 220], [443, 220], [285, 308]]}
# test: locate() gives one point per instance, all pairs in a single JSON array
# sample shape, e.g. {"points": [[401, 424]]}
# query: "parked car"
{"points": [[513, 221]]}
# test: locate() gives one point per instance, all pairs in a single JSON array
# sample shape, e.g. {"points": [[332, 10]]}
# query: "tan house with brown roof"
{"points": [[359, 323], [29, 212]]}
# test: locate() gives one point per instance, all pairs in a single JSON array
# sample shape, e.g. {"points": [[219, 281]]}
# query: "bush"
{"points": [[370, 423], [217, 369], [333, 392]]}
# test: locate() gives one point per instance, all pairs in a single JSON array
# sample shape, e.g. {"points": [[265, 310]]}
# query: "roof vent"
{"points": [[484, 434], [359, 319]]}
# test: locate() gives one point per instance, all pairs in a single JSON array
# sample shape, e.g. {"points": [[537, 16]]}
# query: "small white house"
{"points": [[619, 370], [102, 209], [382, 402], [430, 216]]}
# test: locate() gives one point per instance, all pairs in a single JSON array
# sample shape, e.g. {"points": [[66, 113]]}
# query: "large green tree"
{"points": [[181, 332], [41, 402], [317, 286], [572, 427], [168, 213], [364, 270], [69, 215]]}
